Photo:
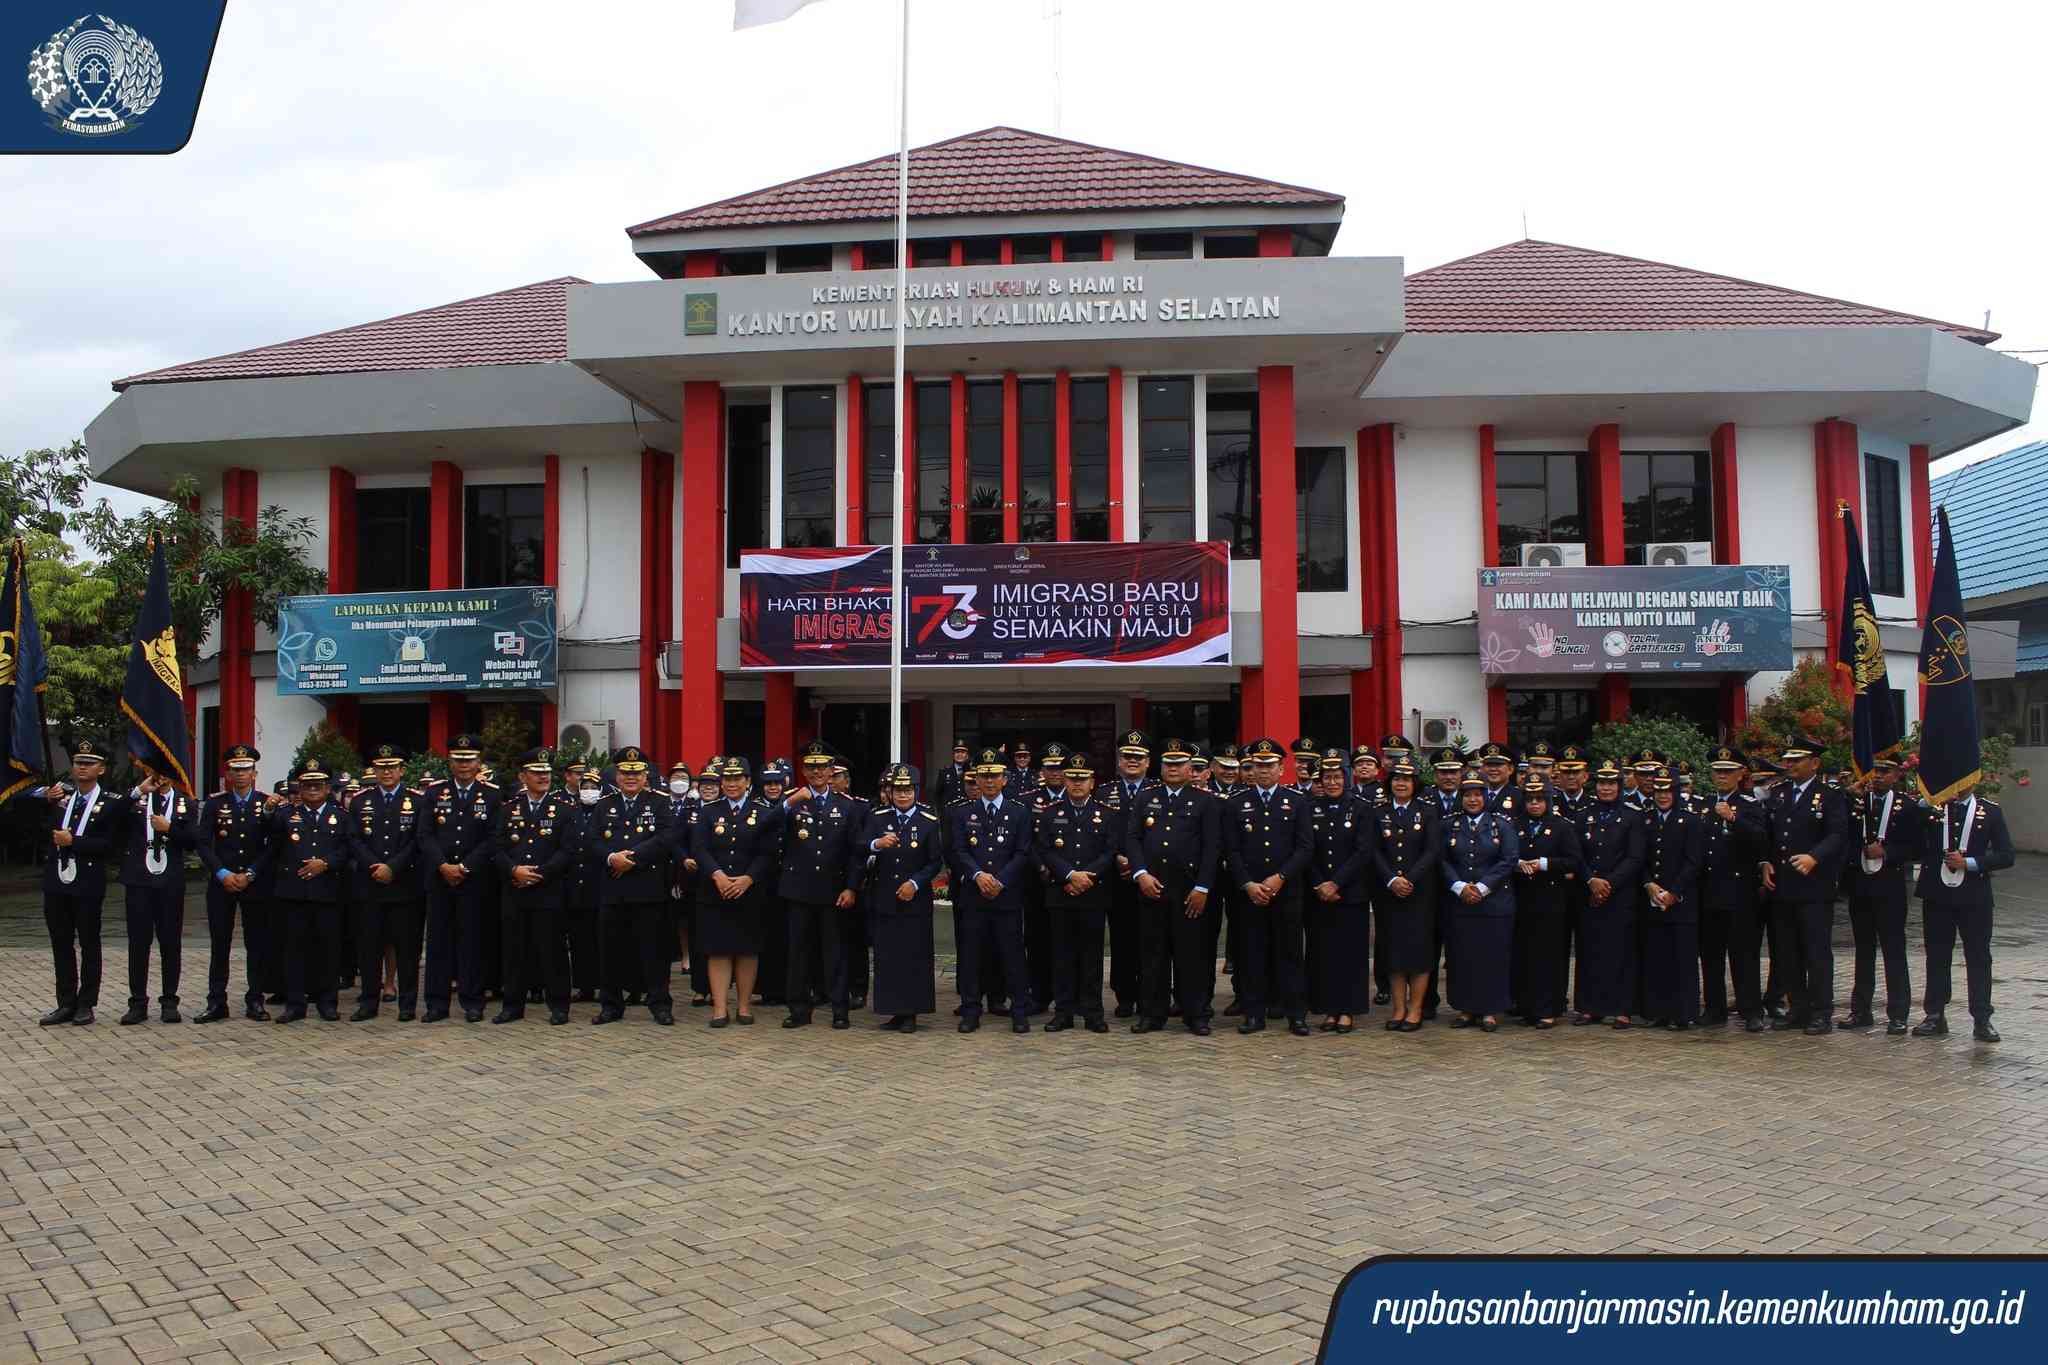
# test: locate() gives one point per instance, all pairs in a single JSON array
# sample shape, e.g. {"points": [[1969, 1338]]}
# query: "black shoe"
{"points": [[168, 1014], [1233, 1009], [257, 1013], [1147, 1026], [1020, 1026], [1059, 1023], [292, 1014], [910, 1024], [1782, 1024], [1463, 1021], [60, 1015], [1097, 1025], [82, 1015], [1125, 1009], [330, 1014], [1819, 1027], [970, 1023], [839, 1019], [892, 1024], [1753, 1023], [1383, 997], [665, 1017], [472, 1016], [1933, 1026], [508, 1015], [406, 1016], [796, 1020], [1200, 1028], [1299, 1028], [558, 1016], [1856, 1019], [1252, 1026], [212, 1014], [610, 1014], [1894, 1027], [743, 1019], [366, 1010], [135, 1015], [433, 1015], [720, 1022], [1984, 1033]]}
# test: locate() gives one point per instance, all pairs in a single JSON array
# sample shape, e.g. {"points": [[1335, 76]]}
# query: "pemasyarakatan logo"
{"points": [[96, 77]]}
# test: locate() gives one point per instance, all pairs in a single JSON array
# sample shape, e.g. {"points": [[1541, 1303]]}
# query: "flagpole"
{"points": [[21, 595], [899, 618]]}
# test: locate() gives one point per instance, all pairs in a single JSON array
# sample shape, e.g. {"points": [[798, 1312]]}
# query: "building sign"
{"points": [[1709, 618], [1069, 603], [462, 640]]}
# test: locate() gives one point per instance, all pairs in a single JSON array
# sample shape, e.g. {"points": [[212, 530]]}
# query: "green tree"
{"points": [[1671, 736], [329, 748], [1805, 703], [39, 489], [1994, 760]]}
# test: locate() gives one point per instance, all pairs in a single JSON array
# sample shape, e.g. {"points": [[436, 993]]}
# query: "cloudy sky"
{"points": [[362, 159]]}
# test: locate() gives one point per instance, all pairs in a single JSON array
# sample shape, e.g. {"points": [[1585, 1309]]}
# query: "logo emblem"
{"points": [[1614, 643], [162, 657], [700, 315], [96, 77], [1950, 661]]}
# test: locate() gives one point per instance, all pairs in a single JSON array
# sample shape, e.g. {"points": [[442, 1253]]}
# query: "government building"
{"points": [[1103, 347]]}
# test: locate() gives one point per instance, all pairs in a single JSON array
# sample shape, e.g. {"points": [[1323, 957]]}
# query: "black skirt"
{"points": [[1410, 948], [731, 928], [903, 961], [1343, 939], [1607, 958], [1482, 946]]}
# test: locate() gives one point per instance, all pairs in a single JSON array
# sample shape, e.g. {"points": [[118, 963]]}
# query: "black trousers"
{"points": [[789, 971], [455, 941], [581, 924], [1671, 970], [1944, 924], [312, 951], [816, 932], [1126, 943], [1038, 952], [530, 934], [221, 907], [398, 925], [633, 939], [74, 925], [1805, 931], [155, 913], [1731, 948], [1880, 922], [855, 939], [1179, 954], [1076, 935], [999, 933], [1270, 977]]}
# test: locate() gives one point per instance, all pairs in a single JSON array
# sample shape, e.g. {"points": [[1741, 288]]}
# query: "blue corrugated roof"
{"points": [[1998, 511], [2033, 648]]}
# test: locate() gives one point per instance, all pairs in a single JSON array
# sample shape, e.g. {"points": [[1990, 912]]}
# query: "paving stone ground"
{"points": [[380, 1191]]}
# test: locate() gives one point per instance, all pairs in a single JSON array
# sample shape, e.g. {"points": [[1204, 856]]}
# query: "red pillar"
{"points": [[1280, 671], [1141, 712], [1836, 479], [345, 713], [1251, 707], [1497, 714], [1727, 503], [1115, 399], [856, 460], [702, 569], [1610, 702], [1376, 692], [1603, 493], [1734, 704], [1062, 452], [1489, 502], [779, 715], [654, 593], [1012, 529], [551, 574], [444, 571], [1923, 538], [238, 618], [906, 451], [917, 729], [959, 445]]}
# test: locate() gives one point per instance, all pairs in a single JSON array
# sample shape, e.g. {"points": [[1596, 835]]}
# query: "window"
{"points": [[1035, 457], [1165, 246], [1327, 720], [1882, 531], [878, 255], [742, 262], [985, 462], [392, 538], [1030, 250], [1086, 246], [802, 260], [746, 479], [1233, 429], [878, 452], [1089, 438], [1231, 247], [1665, 496], [981, 251], [503, 537], [2037, 723], [1538, 499], [934, 463], [1166, 459], [1209, 723], [1700, 705], [1319, 530], [1561, 715], [931, 251], [810, 449]]}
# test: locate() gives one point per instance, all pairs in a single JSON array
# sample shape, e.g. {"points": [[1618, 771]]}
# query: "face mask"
{"points": [[679, 787], [589, 795]]}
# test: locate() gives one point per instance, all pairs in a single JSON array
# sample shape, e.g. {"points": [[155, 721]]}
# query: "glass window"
{"points": [[1538, 498], [810, 449], [1229, 247], [1089, 438], [1233, 429], [503, 539], [981, 251], [746, 480], [1035, 456], [931, 251], [878, 255], [934, 463], [742, 262], [802, 260], [1665, 496], [878, 453], [392, 539], [1166, 459], [1208, 722], [1883, 537], [1165, 246], [1561, 715], [1700, 705], [1327, 719], [1030, 250], [1321, 560], [985, 462], [1084, 246]]}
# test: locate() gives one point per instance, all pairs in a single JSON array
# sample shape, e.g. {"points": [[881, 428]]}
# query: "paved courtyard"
{"points": [[397, 1192]]}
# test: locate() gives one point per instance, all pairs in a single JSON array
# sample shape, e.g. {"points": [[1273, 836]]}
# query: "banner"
{"points": [[1951, 760], [1859, 653], [153, 696], [1059, 603], [1628, 618], [461, 640]]}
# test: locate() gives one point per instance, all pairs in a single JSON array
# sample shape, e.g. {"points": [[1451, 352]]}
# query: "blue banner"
{"points": [[126, 82], [1691, 1310], [461, 640]]}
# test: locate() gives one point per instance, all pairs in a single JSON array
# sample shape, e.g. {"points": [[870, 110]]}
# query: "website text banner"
{"points": [[1691, 1310], [1704, 618], [461, 640], [1062, 603]]}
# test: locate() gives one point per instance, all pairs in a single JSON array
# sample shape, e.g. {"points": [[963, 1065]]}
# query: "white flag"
{"points": [[754, 13]]}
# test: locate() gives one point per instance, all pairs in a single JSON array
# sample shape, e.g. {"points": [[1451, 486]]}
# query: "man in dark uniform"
{"points": [[86, 824], [1611, 845], [1270, 841], [1497, 771], [952, 780], [1808, 824], [583, 882], [1079, 839], [772, 972], [1640, 773], [234, 848], [384, 830], [1731, 915], [897, 852], [1174, 844], [1039, 893], [1365, 774], [988, 844], [1963, 842], [153, 875], [1887, 827], [457, 816], [632, 830], [1447, 767], [536, 845], [1307, 758], [310, 850], [1126, 949], [1672, 844], [1022, 777], [818, 840]]}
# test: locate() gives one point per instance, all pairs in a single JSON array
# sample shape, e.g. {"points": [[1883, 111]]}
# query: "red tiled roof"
{"points": [[1532, 286], [995, 171], [511, 327]]}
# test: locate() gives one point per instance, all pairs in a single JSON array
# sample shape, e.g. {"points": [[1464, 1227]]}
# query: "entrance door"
{"points": [[1088, 727]]}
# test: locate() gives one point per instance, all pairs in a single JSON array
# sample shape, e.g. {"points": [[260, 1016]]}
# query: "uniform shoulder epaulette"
{"points": [[481, 782], [434, 782], [1987, 801], [222, 792]]}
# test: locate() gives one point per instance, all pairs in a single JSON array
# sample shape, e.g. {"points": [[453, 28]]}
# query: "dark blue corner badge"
{"points": [[1690, 1310], [126, 82]]}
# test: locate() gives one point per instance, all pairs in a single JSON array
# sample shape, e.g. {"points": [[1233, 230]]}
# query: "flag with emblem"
{"points": [[24, 673], [1859, 653], [153, 698], [1950, 763]]}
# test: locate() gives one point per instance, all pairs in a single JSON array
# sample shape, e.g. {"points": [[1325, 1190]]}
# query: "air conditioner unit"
{"points": [[1682, 553], [1554, 554], [1434, 732], [591, 736]]}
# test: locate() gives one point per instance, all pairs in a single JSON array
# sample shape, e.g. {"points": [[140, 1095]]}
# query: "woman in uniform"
{"points": [[1406, 853], [1546, 868], [1478, 899], [1340, 867], [734, 844], [897, 851]]}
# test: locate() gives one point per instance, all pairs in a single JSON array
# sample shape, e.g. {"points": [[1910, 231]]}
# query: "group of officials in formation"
{"points": [[1354, 883]]}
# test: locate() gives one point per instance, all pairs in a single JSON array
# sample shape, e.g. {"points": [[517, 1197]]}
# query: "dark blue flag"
{"points": [[1949, 760], [1859, 652], [153, 698], [24, 673]]}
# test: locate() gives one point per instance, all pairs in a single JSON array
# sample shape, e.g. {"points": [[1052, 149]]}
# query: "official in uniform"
{"points": [[1174, 845], [1731, 910], [1406, 857], [1478, 902], [1337, 914], [234, 848], [988, 845], [821, 832], [1051, 790], [1021, 776], [535, 843], [1079, 841], [160, 829], [585, 877], [1306, 762], [631, 831], [1126, 944], [1963, 842], [1673, 840], [384, 824], [1888, 838], [1269, 839], [952, 779], [1808, 825], [86, 825], [1546, 872], [310, 848], [1569, 800], [1611, 845], [1497, 774], [457, 815], [734, 845], [772, 975], [897, 850]]}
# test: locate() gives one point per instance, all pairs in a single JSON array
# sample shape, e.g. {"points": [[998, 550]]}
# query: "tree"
{"points": [[1994, 760], [1671, 736], [40, 488], [1805, 703], [329, 748]]}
